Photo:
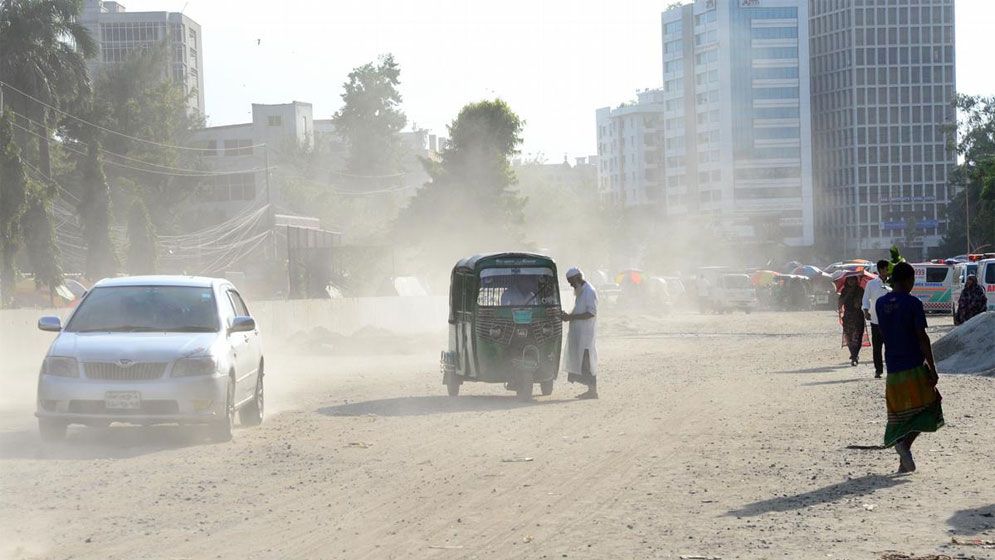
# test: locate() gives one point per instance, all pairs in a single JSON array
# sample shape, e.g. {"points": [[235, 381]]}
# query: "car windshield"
{"points": [[517, 287], [146, 309]]}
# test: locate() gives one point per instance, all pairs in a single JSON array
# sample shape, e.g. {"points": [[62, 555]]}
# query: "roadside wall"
{"points": [[22, 345]]}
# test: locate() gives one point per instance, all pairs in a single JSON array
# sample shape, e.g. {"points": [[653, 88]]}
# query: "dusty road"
{"points": [[715, 436]]}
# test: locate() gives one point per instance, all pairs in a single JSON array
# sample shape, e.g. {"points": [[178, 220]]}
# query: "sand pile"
{"points": [[969, 348]]}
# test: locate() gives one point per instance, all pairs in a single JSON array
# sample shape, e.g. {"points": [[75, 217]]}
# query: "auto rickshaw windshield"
{"points": [[517, 287]]}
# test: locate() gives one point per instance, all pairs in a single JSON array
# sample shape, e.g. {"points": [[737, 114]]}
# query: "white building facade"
{"points": [[118, 33], [737, 154], [630, 148]]}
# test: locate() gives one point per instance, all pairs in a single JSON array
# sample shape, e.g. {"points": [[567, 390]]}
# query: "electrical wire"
{"points": [[199, 174], [115, 154], [121, 134]]}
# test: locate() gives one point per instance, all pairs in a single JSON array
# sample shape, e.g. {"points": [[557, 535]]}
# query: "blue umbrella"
{"points": [[808, 270]]}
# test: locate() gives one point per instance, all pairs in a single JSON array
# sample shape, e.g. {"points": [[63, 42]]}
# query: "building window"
{"points": [[238, 147], [274, 120]]}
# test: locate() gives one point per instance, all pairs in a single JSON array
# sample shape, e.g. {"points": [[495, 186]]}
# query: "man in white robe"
{"points": [[581, 360]]}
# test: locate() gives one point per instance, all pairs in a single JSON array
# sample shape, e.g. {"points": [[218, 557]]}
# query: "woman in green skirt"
{"points": [[914, 403]]}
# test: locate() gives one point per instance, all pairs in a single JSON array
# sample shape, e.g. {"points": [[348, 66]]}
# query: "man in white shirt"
{"points": [[875, 289], [581, 360]]}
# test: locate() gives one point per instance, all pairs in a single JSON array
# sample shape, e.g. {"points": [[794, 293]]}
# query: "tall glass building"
{"points": [[737, 122], [883, 86]]}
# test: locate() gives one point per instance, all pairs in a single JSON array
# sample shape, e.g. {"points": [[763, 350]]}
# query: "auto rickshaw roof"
{"points": [[494, 260]]}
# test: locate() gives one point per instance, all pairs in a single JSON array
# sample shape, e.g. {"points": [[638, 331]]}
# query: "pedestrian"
{"points": [[582, 355], [972, 301], [852, 317], [914, 403], [874, 290]]}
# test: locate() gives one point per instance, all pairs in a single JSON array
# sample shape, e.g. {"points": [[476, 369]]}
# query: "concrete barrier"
{"points": [[22, 345]]}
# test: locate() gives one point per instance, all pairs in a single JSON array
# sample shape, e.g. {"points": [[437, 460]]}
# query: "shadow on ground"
{"points": [[821, 369], [973, 521], [115, 442], [861, 486], [834, 382], [421, 406]]}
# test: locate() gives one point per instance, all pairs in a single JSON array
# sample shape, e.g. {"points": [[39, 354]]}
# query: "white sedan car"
{"points": [[153, 350]]}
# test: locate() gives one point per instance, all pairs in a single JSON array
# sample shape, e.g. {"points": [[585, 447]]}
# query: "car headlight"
{"points": [[191, 367], [60, 367]]}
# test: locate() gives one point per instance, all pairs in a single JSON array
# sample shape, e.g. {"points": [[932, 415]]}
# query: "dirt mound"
{"points": [[969, 348]]}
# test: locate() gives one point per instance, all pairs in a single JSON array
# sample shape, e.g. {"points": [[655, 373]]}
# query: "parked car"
{"points": [[153, 350]]}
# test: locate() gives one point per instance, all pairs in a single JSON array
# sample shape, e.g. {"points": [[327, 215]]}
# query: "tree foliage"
{"points": [[44, 50], [95, 214], [975, 177], [13, 204], [133, 99], [39, 239], [469, 204], [370, 120], [142, 246]]}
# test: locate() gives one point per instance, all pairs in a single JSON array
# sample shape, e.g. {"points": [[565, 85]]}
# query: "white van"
{"points": [[735, 291], [986, 277], [934, 283]]}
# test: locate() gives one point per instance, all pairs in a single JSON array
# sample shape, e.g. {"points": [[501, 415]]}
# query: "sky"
{"points": [[553, 61]]}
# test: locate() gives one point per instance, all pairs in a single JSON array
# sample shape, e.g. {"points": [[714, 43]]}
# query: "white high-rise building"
{"points": [[118, 33], [630, 147], [737, 131]]}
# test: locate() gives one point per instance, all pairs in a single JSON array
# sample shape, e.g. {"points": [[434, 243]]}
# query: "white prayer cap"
{"points": [[574, 271]]}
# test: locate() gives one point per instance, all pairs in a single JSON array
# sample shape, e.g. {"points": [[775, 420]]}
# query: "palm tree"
{"points": [[44, 48]]}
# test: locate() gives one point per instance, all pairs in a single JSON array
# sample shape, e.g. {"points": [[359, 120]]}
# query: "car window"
{"points": [[990, 274], [936, 274], [227, 307], [240, 307], [146, 309]]}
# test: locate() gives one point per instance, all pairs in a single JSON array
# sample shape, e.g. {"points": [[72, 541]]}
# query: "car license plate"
{"points": [[122, 400]]}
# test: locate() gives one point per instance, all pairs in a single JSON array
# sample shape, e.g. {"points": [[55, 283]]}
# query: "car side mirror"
{"points": [[50, 323], [242, 324]]}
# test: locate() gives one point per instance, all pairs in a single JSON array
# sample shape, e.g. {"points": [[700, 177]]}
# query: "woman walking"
{"points": [[972, 300], [852, 317], [914, 403]]}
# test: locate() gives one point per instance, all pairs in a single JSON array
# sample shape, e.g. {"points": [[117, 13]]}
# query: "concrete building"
{"points": [[737, 155], [118, 33], [238, 156], [630, 147], [883, 84], [240, 153]]}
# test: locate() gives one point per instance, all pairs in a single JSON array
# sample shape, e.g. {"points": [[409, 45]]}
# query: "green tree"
{"points": [[469, 204], [44, 50], [370, 120], [13, 204], [39, 238], [134, 99], [142, 247], [95, 214], [971, 212]]}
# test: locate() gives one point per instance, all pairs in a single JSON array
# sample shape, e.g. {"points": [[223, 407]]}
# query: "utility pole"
{"points": [[967, 211]]}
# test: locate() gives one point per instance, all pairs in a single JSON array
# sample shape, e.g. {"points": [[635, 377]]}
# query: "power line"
{"points": [[121, 134], [115, 154], [199, 174]]}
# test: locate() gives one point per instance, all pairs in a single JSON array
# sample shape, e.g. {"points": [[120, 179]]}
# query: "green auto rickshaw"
{"points": [[504, 323]]}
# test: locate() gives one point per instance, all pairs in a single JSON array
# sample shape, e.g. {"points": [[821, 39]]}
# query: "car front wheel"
{"points": [[221, 429], [252, 414]]}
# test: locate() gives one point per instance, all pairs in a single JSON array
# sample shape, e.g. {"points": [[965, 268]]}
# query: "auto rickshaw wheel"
{"points": [[452, 385], [546, 387]]}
